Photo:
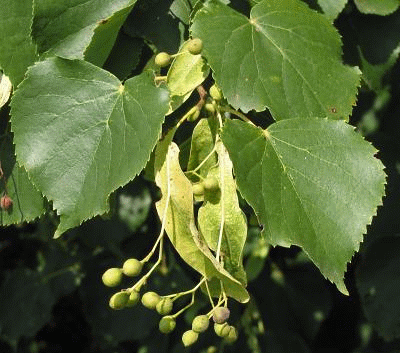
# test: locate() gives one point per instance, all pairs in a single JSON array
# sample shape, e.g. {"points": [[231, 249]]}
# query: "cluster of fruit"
{"points": [[164, 305]]}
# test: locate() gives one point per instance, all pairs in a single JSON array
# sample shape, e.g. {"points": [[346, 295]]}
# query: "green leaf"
{"points": [[81, 134], [286, 57], [227, 208], [182, 9], [26, 303], [312, 182], [17, 49], [377, 279], [377, 7], [28, 202], [79, 29], [180, 223], [332, 8], [202, 145], [186, 72]]}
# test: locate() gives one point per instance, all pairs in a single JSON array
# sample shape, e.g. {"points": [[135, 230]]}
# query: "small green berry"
{"points": [[150, 300], [200, 323], [195, 46], [211, 184], [164, 306], [198, 189], [212, 349], [162, 59], [221, 314], [222, 330], [167, 324], [232, 335], [215, 92], [193, 113], [132, 267], [134, 298], [189, 337], [112, 277], [119, 300], [210, 108]]}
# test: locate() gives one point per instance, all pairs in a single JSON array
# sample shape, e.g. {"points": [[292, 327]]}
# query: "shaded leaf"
{"points": [[286, 57], [377, 7], [312, 182], [180, 224], [81, 134], [227, 208], [26, 303], [378, 283], [17, 49], [79, 29]]}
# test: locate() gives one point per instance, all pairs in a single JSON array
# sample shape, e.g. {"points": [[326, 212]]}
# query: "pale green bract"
{"points": [[286, 57], [176, 205], [311, 182], [227, 208], [81, 134]]}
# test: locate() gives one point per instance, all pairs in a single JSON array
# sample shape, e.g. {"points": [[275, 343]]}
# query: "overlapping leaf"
{"points": [[332, 8], [225, 213], [377, 7], [78, 29], [17, 49], [180, 223], [81, 134], [312, 182], [286, 57]]}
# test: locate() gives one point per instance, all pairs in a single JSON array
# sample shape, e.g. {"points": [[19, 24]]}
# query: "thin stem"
{"points": [[181, 294], [222, 203], [184, 308], [204, 160], [237, 113], [160, 237], [209, 296]]}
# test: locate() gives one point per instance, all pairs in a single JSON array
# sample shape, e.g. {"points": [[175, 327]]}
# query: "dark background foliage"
{"points": [[51, 296]]}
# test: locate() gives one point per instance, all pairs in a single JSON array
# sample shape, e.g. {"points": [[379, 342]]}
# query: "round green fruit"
{"points": [[119, 300], [189, 337], [167, 324], [132, 267], [162, 59], [112, 277], [134, 298], [198, 189], [211, 184], [222, 330], [195, 46], [194, 113], [200, 323], [215, 92], [221, 315], [232, 335], [150, 300], [210, 108], [164, 306]]}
